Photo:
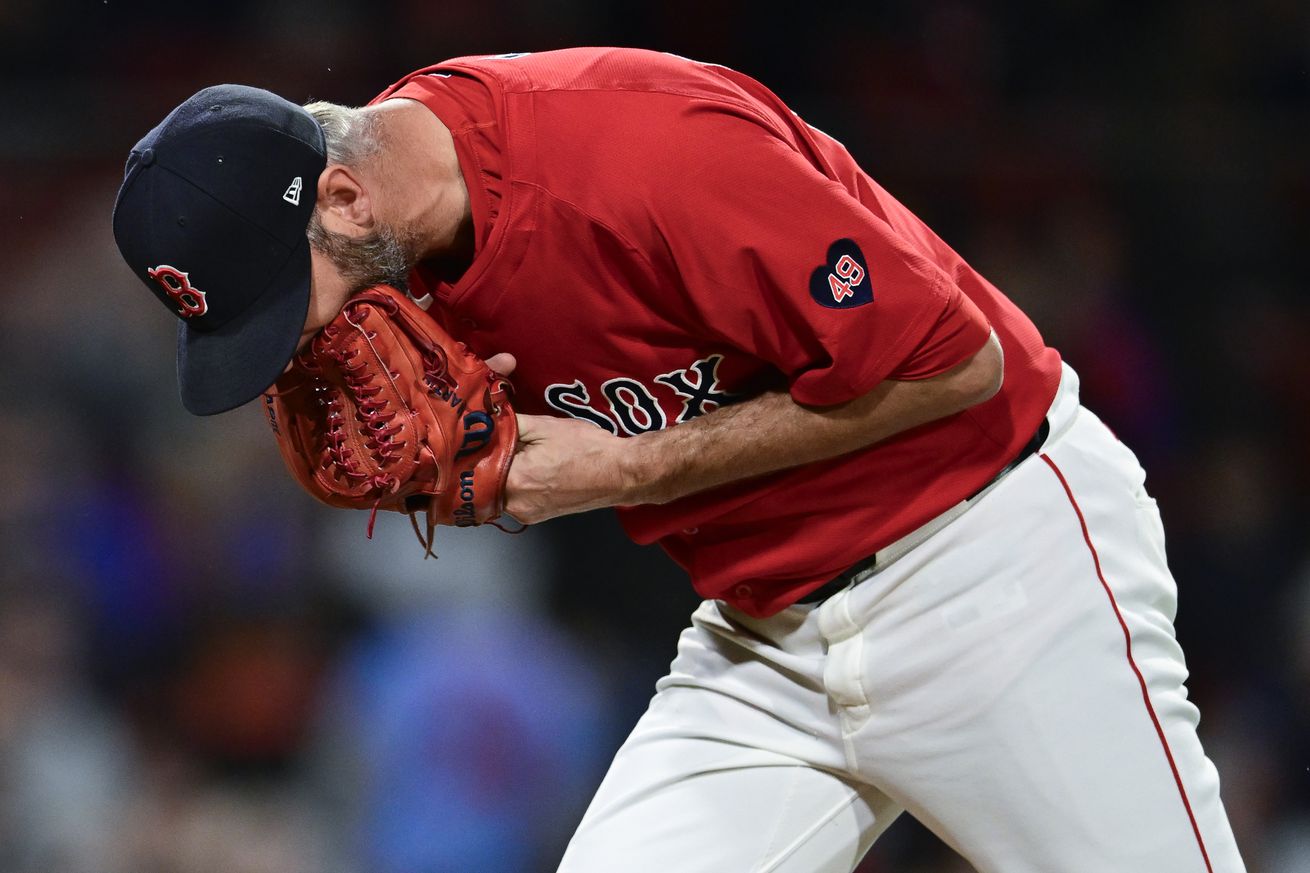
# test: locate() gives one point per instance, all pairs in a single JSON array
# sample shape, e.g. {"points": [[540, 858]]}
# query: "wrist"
{"points": [[638, 473]]}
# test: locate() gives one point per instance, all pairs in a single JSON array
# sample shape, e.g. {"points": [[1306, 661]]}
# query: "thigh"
{"points": [[1021, 690], [684, 795]]}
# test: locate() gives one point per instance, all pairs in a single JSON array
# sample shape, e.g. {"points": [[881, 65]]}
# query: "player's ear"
{"points": [[343, 201]]}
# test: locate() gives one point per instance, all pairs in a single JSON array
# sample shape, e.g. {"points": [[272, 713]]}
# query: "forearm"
{"points": [[773, 432], [565, 466]]}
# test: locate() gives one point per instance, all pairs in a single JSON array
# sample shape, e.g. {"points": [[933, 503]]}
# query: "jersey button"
{"points": [[468, 323], [691, 531], [743, 591]]}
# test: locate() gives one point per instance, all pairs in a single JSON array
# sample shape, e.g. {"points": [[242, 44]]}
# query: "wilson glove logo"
{"points": [[478, 428], [466, 514], [842, 282]]}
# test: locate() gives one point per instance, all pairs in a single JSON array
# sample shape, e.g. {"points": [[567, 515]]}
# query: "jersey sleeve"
{"points": [[778, 260]]}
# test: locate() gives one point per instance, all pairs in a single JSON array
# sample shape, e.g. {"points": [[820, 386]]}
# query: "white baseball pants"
{"points": [[1013, 681]]}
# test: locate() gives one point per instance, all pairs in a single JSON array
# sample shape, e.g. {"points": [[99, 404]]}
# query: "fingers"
{"points": [[533, 428], [502, 363], [528, 427]]}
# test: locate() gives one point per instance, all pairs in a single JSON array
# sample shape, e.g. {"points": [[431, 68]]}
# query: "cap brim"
{"points": [[222, 369]]}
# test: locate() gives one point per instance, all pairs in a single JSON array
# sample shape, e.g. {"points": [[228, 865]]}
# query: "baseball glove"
{"points": [[384, 410]]}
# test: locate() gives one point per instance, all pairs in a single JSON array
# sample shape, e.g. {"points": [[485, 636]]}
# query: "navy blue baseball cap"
{"points": [[212, 216]]}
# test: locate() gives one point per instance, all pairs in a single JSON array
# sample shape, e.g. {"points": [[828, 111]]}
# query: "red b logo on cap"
{"points": [[189, 299]]}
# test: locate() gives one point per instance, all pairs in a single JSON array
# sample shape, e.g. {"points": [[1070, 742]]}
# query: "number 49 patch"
{"points": [[842, 282]]}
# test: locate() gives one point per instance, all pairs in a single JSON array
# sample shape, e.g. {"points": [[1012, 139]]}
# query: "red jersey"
{"points": [[657, 238]]}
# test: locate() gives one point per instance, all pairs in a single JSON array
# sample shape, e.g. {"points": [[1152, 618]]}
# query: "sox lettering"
{"points": [[695, 394], [572, 400], [634, 408]]}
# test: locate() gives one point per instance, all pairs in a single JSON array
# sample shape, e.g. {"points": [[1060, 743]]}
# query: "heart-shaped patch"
{"points": [[842, 282]]}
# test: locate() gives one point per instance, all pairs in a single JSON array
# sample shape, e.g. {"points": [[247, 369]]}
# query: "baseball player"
{"points": [[933, 582]]}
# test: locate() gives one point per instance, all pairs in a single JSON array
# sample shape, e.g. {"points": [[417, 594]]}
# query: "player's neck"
{"points": [[426, 186]]}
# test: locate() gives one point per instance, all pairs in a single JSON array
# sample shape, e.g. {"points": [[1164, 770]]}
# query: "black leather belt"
{"points": [[841, 580]]}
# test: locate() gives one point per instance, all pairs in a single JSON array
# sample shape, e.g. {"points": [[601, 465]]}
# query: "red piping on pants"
{"points": [[1128, 643]]}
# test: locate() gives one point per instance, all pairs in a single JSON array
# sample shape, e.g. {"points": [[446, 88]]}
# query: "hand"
{"points": [[502, 363], [562, 466]]}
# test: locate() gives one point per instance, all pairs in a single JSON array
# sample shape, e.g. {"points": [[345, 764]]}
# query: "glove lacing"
{"points": [[375, 412]]}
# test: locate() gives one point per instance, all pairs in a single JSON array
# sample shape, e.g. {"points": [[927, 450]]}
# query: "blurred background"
{"points": [[202, 670]]}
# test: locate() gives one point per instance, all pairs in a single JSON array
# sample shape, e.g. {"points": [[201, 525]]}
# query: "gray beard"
{"points": [[382, 257]]}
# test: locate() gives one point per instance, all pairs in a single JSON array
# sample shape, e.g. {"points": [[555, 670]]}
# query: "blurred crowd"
{"points": [[202, 670]]}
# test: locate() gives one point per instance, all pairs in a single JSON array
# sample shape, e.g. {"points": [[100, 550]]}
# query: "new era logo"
{"points": [[292, 194]]}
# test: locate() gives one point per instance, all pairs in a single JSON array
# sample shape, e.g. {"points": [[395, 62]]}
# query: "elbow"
{"points": [[982, 376]]}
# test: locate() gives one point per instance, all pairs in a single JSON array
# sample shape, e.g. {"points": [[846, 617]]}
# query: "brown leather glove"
{"points": [[385, 410]]}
